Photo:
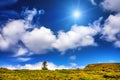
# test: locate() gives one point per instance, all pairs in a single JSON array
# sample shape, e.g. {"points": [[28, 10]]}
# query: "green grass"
{"points": [[78, 74]]}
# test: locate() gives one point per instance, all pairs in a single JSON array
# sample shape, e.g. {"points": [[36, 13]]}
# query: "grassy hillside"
{"points": [[91, 72], [104, 67]]}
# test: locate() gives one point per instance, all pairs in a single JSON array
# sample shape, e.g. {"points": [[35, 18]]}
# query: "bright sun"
{"points": [[76, 14]]}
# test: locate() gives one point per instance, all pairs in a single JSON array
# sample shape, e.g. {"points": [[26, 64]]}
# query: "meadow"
{"points": [[91, 72]]}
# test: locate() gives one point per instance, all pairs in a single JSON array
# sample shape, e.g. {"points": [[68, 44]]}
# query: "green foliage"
{"points": [[44, 66], [111, 75]]}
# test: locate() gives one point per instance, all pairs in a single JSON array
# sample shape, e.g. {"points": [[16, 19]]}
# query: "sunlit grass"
{"points": [[78, 74]]}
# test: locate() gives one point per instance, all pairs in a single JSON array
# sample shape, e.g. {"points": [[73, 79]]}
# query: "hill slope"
{"points": [[104, 67]]}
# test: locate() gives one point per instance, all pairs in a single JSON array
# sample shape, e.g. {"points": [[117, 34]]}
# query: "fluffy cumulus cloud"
{"points": [[42, 39], [38, 66], [111, 30], [4, 44], [11, 33], [78, 36], [39, 40], [112, 5]]}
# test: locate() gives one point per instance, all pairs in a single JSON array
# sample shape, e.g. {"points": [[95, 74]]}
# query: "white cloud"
{"points": [[73, 64], [93, 2], [111, 30], [4, 44], [42, 39], [13, 31], [29, 14], [112, 5], [39, 40], [78, 36], [117, 43], [21, 51], [73, 57], [21, 59], [37, 66]]}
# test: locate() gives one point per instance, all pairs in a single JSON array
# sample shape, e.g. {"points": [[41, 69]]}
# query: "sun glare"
{"points": [[76, 14]]}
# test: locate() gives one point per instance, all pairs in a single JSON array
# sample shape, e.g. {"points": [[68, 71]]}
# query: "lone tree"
{"points": [[44, 66]]}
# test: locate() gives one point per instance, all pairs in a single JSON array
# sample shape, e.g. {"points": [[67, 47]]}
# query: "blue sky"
{"points": [[33, 31]]}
